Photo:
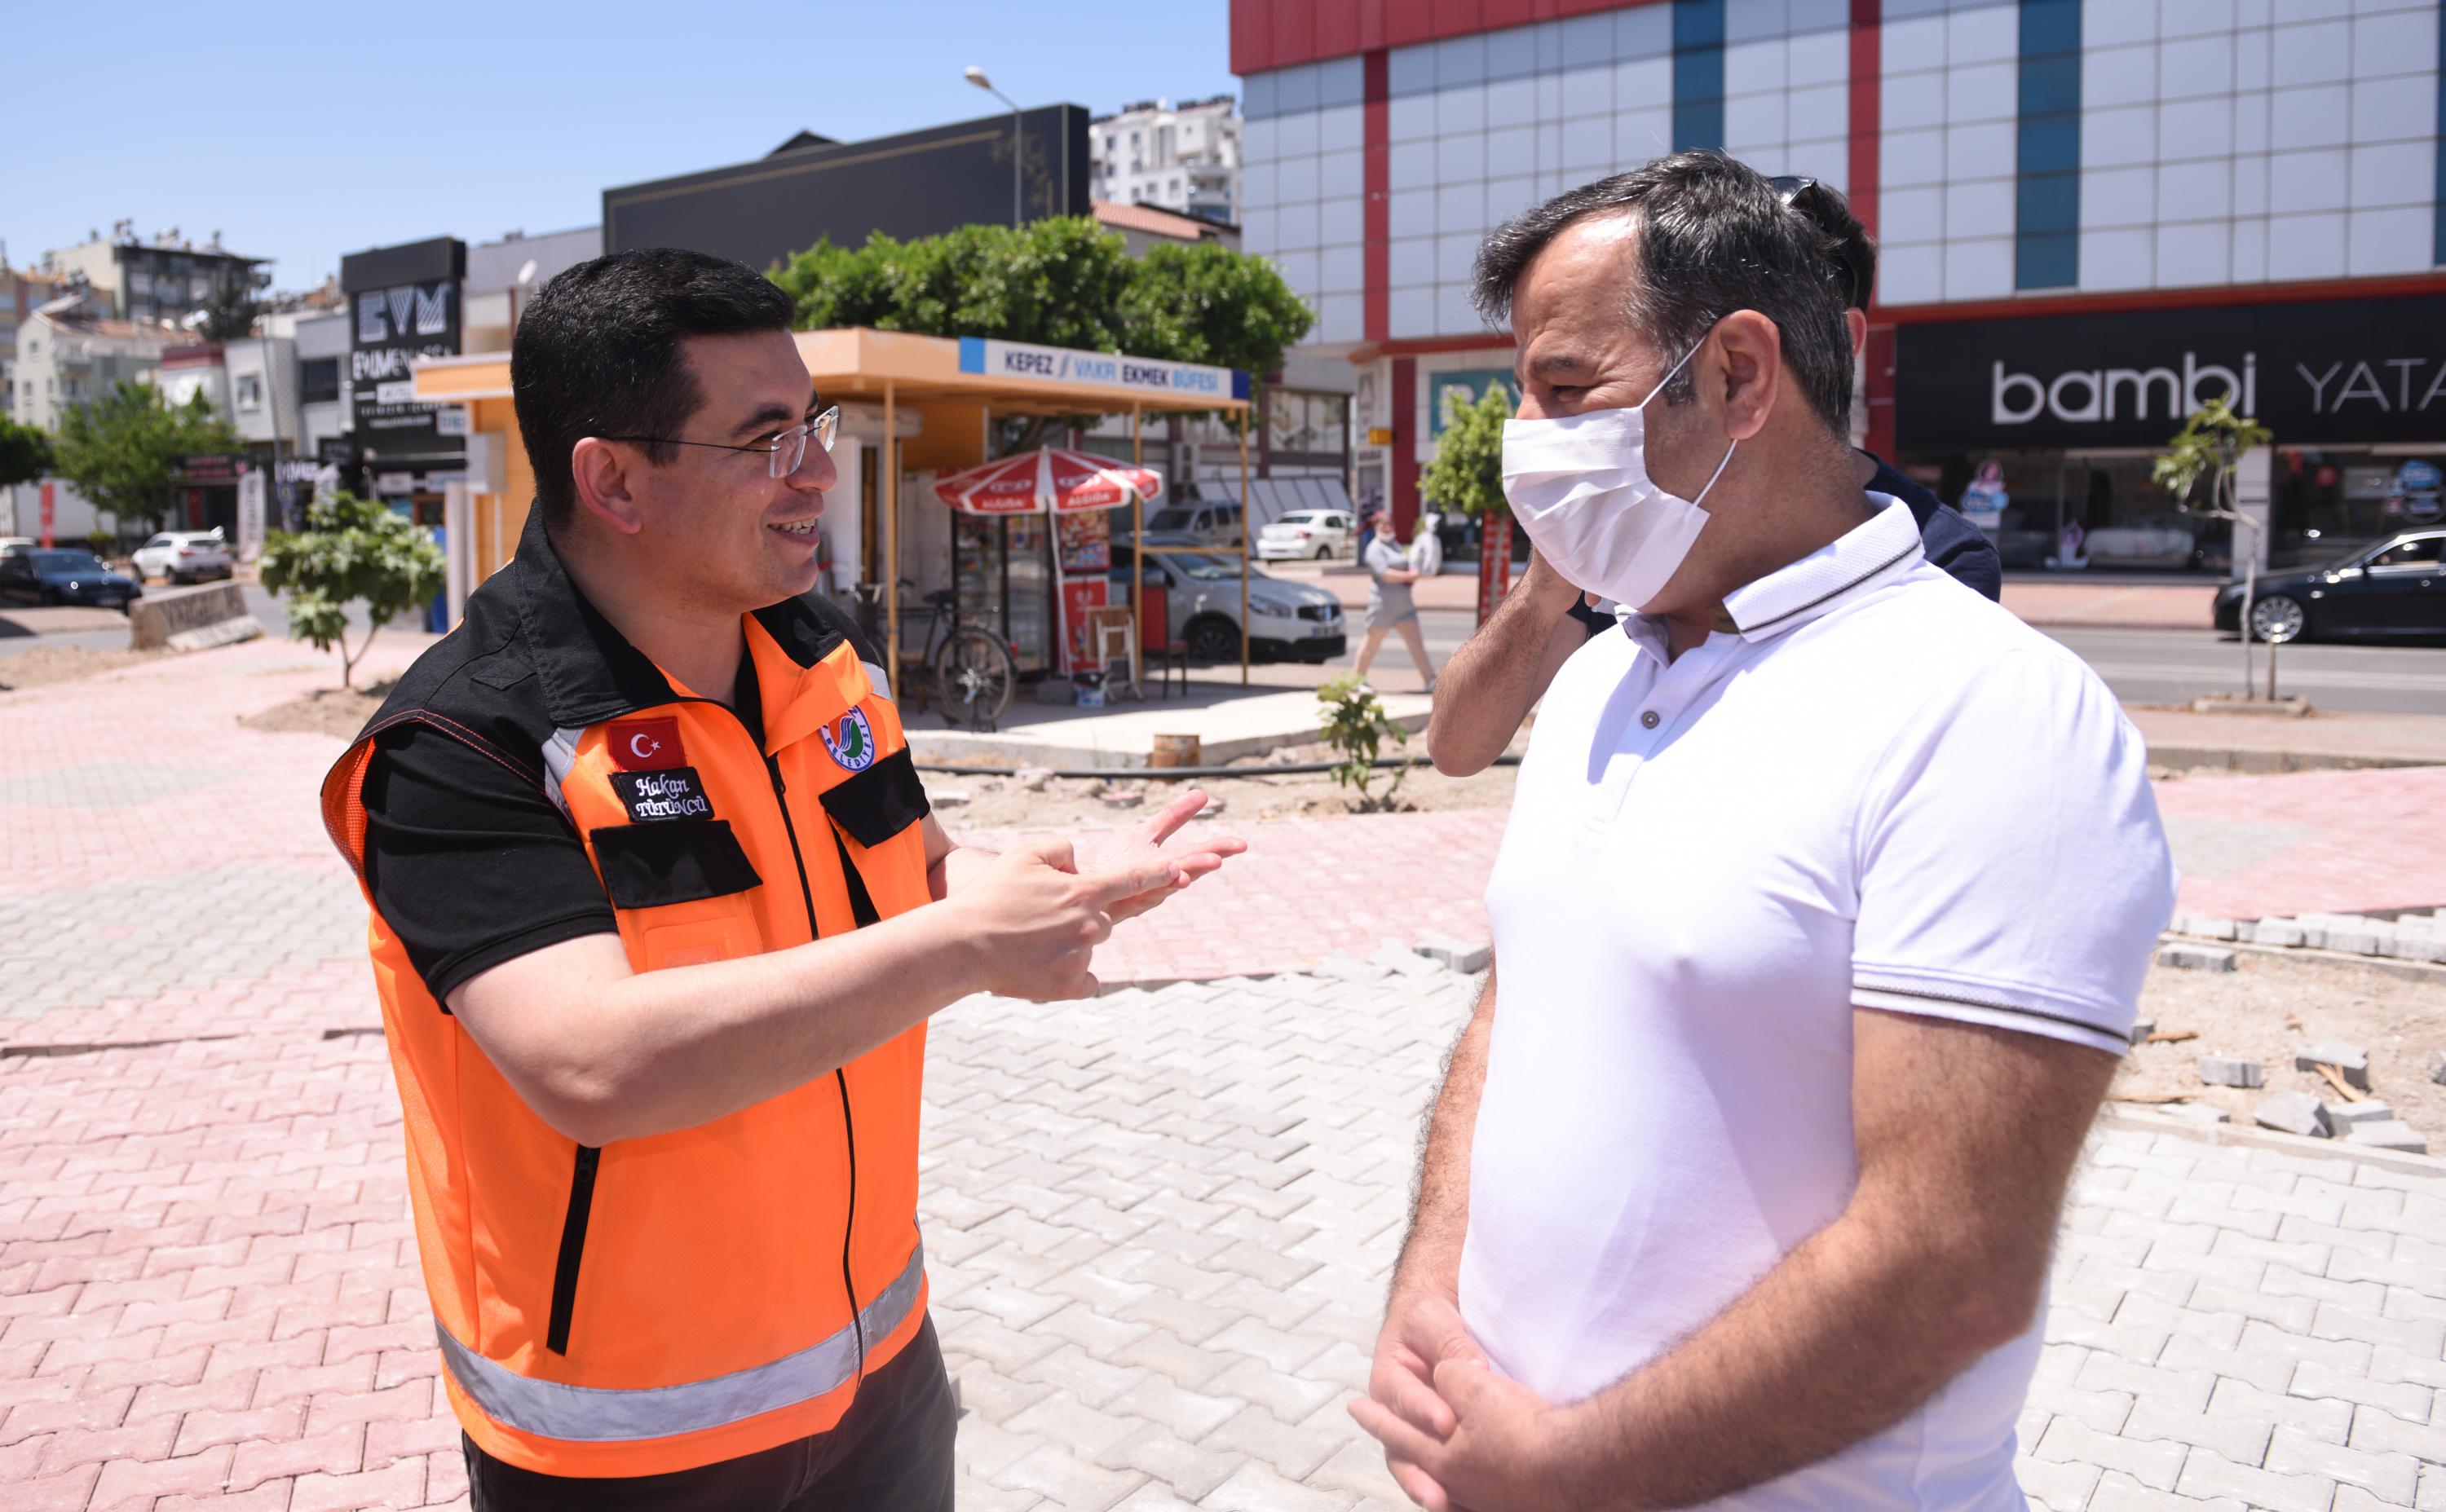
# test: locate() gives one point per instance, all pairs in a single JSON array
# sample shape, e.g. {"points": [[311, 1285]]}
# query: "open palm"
{"points": [[1152, 840]]}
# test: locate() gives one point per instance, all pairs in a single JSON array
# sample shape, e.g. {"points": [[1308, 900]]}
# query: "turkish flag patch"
{"points": [[646, 745]]}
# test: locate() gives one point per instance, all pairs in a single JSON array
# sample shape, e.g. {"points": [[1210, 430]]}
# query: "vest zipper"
{"points": [[573, 1247], [840, 1078]]}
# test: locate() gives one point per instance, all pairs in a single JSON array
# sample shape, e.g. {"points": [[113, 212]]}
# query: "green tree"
{"points": [[351, 549], [1062, 282], [2207, 450], [1467, 474], [125, 451], [24, 453]]}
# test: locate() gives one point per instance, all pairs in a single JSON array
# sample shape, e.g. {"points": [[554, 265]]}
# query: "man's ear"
{"points": [[601, 473], [1752, 354], [1856, 322]]}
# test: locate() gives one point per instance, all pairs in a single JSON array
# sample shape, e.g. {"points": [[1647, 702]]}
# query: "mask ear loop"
{"points": [[1731, 444]]}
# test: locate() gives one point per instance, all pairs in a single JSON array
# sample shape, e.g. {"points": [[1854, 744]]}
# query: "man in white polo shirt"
{"points": [[1820, 920]]}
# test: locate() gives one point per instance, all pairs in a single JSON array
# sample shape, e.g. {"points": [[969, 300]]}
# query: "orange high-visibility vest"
{"points": [[663, 1303]]}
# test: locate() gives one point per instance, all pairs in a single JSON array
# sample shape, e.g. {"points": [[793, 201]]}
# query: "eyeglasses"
{"points": [[1827, 211], [788, 448]]}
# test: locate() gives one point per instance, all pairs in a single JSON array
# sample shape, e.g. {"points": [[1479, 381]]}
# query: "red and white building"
{"points": [[2093, 215]]}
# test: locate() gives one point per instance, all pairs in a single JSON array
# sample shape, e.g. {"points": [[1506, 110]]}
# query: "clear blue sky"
{"points": [[303, 132]]}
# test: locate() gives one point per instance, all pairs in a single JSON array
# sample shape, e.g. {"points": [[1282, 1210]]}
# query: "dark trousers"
{"points": [[891, 1451]]}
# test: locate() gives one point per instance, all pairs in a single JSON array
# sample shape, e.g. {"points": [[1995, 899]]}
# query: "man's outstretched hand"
{"points": [[1151, 842]]}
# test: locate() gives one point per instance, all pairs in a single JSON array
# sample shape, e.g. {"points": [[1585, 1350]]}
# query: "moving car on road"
{"points": [[1202, 599], [63, 575], [184, 556], [2397, 588], [1305, 533]]}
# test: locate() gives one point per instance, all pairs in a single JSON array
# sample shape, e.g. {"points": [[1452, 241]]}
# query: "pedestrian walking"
{"points": [[659, 915], [1819, 922], [1390, 606], [1500, 672]]}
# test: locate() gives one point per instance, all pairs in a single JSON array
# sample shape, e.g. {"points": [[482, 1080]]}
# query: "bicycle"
{"points": [[967, 665]]}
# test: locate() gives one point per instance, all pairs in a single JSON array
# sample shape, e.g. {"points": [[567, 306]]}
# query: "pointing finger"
{"points": [[1167, 820]]}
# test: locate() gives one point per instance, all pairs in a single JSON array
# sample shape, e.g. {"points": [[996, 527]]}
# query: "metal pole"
{"points": [[1016, 140], [1137, 564], [1244, 548], [891, 539]]}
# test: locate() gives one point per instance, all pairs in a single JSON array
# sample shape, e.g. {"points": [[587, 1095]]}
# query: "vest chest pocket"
{"points": [[684, 885]]}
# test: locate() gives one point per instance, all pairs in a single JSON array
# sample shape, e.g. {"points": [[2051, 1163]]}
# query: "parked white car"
{"points": [[1305, 533], [184, 556]]}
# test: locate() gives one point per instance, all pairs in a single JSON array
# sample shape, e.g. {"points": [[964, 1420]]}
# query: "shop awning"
{"points": [[1051, 479]]}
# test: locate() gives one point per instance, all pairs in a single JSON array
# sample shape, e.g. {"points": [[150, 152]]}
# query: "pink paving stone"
{"points": [[272, 1496], [338, 1452], [399, 1485], [68, 1492], [124, 1481], [406, 1402]]}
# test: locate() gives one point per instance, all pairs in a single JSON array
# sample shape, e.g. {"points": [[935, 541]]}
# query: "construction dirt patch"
{"points": [[336, 712], [46, 665], [1037, 802], [2271, 1006]]}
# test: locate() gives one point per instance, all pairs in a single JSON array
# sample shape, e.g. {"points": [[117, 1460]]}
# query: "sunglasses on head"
{"points": [[1827, 213]]}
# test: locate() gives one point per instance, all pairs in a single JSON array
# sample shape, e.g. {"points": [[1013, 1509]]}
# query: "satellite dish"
{"points": [[526, 272]]}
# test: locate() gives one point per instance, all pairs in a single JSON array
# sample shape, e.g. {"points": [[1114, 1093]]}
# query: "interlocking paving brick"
{"points": [[1160, 1220]]}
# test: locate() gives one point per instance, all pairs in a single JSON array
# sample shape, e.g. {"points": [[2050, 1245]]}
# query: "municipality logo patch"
{"points": [[852, 741]]}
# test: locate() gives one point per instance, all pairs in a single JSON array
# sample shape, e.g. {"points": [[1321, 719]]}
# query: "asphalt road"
{"points": [[2166, 666], [2143, 666]]}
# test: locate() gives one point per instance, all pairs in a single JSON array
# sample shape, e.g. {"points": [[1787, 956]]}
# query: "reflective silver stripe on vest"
{"points": [[594, 1415]]}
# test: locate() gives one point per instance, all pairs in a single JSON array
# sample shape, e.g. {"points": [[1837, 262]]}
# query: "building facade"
{"points": [[1183, 157], [2093, 215], [66, 358], [159, 282]]}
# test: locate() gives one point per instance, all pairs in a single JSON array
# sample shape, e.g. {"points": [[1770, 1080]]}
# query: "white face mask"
{"points": [[1580, 487]]}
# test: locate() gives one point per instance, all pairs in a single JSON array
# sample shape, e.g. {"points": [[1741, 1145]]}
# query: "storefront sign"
{"points": [[404, 305], [2337, 372], [1060, 364], [214, 468], [1448, 392]]}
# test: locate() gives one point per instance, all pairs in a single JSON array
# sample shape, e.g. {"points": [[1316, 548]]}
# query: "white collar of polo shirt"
{"points": [[1878, 549]]}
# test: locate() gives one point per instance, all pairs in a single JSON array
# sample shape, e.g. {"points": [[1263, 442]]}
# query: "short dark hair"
{"points": [[597, 353], [1714, 237]]}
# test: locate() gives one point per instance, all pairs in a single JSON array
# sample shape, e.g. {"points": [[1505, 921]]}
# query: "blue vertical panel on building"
{"points": [[2046, 225], [1698, 74]]}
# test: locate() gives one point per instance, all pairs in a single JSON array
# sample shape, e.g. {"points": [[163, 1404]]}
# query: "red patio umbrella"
{"points": [[1051, 479]]}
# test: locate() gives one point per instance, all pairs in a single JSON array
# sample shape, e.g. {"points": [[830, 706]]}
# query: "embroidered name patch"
{"points": [[852, 741], [674, 793], [645, 745]]}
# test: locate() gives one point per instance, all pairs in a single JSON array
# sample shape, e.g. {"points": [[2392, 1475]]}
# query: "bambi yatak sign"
{"points": [[2330, 372]]}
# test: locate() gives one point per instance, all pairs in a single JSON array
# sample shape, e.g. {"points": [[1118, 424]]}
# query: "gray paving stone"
{"points": [[2231, 1071], [2152, 1462], [1161, 1223], [2391, 1476], [2207, 1473]]}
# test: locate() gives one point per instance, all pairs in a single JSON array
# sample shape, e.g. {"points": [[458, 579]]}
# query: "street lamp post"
{"points": [[977, 76]]}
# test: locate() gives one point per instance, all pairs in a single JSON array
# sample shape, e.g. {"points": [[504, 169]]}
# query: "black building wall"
{"points": [[917, 184]]}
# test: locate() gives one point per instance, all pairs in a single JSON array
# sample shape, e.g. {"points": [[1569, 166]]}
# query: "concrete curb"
{"points": [[2273, 761], [2129, 1116]]}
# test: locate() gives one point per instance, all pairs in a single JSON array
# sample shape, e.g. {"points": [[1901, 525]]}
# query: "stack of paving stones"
{"points": [[2416, 935], [2361, 1121]]}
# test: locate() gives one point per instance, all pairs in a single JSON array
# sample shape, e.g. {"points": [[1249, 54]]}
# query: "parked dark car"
{"points": [[2397, 588], [63, 575]]}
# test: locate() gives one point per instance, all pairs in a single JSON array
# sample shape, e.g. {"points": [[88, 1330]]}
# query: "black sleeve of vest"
{"points": [[467, 861]]}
